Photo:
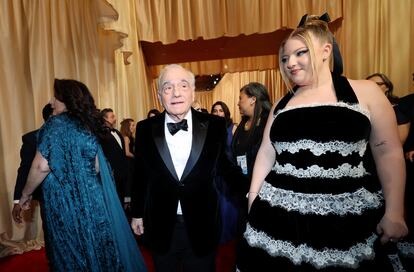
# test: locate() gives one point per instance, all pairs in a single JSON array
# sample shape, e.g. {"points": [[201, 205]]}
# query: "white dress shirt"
{"points": [[117, 138], [179, 145]]}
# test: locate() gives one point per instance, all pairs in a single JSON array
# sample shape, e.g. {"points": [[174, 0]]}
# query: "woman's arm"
{"points": [[38, 172], [388, 155], [264, 162], [128, 153]]}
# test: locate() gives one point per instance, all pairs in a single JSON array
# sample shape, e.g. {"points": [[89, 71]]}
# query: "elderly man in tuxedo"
{"points": [[178, 155]]}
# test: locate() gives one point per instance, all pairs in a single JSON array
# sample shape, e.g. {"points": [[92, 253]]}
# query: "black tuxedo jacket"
{"points": [[116, 158], [157, 188], [27, 154]]}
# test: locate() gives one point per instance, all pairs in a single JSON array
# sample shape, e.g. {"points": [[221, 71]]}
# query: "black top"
{"points": [[248, 143], [406, 107]]}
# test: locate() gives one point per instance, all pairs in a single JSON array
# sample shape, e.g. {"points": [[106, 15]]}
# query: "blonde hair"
{"points": [[319, 29]]}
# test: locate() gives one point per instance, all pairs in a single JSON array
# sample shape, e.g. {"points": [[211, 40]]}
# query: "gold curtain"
{"points": [[378, 36], [94, 40], [132, 87], [170, 20]]}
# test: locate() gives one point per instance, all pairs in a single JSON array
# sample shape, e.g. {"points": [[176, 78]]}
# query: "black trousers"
{"points": [[180, 257]]}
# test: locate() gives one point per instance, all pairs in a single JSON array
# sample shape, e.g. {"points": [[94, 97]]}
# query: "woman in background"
{"points": [[84, 224], [128, 131], [228, 203], [254, 105], [220, 109], [386, 86]]}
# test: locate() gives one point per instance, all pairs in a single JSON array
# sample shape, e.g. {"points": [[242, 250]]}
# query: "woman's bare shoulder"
{"points": [[366, 91]]}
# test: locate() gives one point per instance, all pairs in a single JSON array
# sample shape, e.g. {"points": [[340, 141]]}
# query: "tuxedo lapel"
{"points": [[161, 143], [200, 126]]}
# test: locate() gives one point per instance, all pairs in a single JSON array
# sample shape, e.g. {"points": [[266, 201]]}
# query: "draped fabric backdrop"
{"points": [[97, 42]]}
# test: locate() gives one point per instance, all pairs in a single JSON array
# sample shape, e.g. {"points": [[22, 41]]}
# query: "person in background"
{"points": [[27, 153], [220, 109], [113, 146], [178, 155], [406, 246], [84, 225], [387, 87], [406, 106], [128, 133], [152, 112], [228, 202], [313, 205], [254, 105]]}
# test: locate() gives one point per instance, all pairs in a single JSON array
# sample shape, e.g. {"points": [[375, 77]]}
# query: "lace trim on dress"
{"points": [[319, 148], [406, 249], [315, 171], [326, 257], [354, 107], [321, 204]]}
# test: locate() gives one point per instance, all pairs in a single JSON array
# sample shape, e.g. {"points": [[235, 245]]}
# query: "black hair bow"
{"points": [[338, 67]]}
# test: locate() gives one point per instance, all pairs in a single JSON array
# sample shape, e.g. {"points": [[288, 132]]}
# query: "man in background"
{"points": [[27, 153], [113, 146]]}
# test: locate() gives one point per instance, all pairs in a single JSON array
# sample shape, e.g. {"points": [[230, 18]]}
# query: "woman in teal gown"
{"points": [[84, 224]]}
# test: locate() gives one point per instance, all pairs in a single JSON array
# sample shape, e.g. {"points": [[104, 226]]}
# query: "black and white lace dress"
{"points": [[319, 206]]}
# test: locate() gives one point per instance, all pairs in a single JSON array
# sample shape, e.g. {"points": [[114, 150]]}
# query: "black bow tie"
{"points": [[175, 127]]}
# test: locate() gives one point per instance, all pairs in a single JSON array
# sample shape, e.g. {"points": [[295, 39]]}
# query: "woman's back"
{"points": [[76, 224]]}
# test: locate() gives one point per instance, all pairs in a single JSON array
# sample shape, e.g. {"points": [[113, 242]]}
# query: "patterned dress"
{"points": [[319, 206], [84, 224]]}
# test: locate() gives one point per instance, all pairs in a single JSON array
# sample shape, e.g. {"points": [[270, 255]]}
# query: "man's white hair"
{"points": [[191, 78]]}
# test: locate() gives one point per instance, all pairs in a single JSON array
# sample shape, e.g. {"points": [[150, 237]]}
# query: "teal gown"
{"points": [[84, 224]]}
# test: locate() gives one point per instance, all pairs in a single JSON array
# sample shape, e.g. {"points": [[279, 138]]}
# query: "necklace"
{"points": [[247, 125]]}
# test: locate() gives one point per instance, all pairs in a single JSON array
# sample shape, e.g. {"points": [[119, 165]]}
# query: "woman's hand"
{"points": [[391, 228]]}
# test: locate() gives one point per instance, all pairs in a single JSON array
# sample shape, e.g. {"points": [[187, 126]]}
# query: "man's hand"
{"points": [[137, 225], [25, 201], [17, 213]]}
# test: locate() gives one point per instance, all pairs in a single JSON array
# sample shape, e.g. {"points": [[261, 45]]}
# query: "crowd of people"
{"points": [[315, 182]]}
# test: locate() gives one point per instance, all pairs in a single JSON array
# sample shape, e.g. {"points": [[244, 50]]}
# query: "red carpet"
{"points": [[35, 260]]}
